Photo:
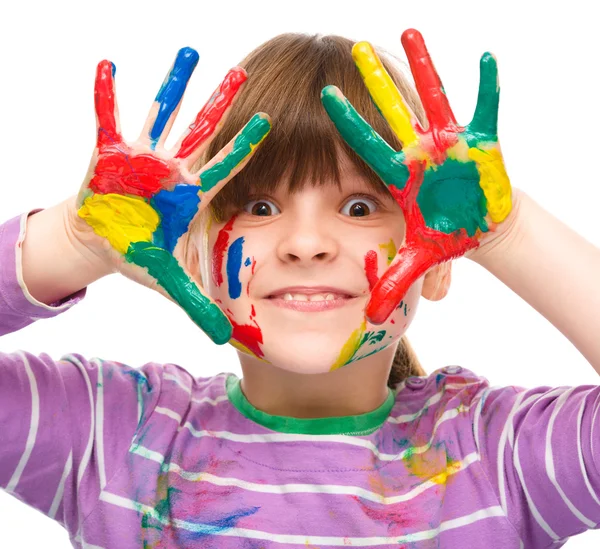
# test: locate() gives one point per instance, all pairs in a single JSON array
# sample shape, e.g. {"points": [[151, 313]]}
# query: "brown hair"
{"points": [[285, 77]]}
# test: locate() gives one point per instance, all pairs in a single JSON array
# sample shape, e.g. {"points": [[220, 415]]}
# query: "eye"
{"points": [[361, 205], [260, 208]]}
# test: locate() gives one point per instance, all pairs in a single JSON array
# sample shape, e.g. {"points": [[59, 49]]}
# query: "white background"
{"points": [[548, 61]]}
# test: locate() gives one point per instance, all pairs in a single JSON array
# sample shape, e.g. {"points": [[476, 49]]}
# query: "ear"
{"points": [[437, 282]]}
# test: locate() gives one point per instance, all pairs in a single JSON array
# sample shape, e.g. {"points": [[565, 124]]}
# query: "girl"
{"points": [[310, 261]]}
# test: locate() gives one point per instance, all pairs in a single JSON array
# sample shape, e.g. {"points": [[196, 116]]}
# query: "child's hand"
{"points": [[449, 181], [138, 198]]}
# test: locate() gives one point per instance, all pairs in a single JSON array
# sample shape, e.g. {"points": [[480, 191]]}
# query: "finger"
{"points": [[107, 117], [233, 157], [363, 139], [210, 116], [384, 93], [485, 119], [162, 114], [167, 271], [428, 82], [407, 267]]}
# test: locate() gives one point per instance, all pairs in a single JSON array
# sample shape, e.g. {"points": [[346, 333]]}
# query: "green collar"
{"points": [[363, 424]]}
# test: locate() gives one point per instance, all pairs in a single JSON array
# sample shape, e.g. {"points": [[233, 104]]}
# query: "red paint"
{"points": [[219, 251], [253, 312], [119, 172], [210, 115], [104, 100], [423, 248], [436, 105], [396, 519], [392, 321], [253, 264], [371, 268], [249, 336]]}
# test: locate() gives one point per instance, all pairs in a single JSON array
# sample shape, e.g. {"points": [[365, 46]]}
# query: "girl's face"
{"points": [[320, 236]]}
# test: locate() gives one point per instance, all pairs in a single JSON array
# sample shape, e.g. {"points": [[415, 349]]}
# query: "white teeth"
{"points": [[311, 297]]}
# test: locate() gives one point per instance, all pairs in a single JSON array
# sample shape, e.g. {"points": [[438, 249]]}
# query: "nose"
{"points": [[307, 239]]}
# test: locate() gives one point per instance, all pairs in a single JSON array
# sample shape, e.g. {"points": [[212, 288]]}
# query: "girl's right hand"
{"points": [[139, 198]]}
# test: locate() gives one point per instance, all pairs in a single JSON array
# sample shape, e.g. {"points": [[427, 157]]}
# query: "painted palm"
{"points": [[142, 198], [449, 180]]}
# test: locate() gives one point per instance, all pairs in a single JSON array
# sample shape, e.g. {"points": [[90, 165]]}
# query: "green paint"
{"points": [[376, 337], [363, 139], [170, 275], [450, 198], [250, 136], [484, 126]]}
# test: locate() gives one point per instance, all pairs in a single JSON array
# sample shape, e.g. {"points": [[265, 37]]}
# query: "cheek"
{"points": [[231, 263]]}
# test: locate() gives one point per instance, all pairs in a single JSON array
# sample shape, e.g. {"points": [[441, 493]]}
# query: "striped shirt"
{"points": [[152, 457]]}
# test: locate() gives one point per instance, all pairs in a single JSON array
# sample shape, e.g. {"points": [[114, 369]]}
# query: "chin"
{"points": [[302, 356]]}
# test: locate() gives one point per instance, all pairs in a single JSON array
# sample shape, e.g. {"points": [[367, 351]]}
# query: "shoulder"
{"points": [[448, 387], [152, 377]]}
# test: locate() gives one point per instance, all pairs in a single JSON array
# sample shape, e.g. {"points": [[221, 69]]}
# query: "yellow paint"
{"points": [[120, 219], [391, 249], [350, 347], [459, 151], [242, 348], [384, 92], [494, 181]]}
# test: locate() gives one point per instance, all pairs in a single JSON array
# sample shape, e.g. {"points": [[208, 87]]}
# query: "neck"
{"points": [[357, 388]]}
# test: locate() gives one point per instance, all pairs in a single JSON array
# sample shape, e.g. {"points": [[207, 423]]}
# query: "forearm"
{"points": [[54, 266], [555, 270]]}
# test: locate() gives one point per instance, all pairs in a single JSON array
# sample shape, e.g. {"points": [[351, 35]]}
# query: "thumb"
{"points": [[407, 267], [169, 274]]}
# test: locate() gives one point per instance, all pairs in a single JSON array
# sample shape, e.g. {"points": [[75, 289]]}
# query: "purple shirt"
{"points": [[152, 457]]}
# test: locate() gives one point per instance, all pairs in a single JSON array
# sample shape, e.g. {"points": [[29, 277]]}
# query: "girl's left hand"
{"points": [[449, 180]]}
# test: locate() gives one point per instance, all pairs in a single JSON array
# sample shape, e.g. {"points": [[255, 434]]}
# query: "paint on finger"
{"points": [[104, 100], [212, 113], [244, 144], [167, 271], [172, 90], [384, 92]]}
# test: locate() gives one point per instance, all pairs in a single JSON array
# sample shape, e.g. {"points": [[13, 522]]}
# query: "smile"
{"points": [[317, 303]]}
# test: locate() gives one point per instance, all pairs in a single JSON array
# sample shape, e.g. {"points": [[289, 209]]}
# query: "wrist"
{"points": [[507, 236], [53, 265]]}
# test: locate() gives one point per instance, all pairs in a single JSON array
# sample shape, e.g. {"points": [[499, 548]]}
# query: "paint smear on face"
{"points": [[219, 251], [358, 339], [246, 338], [234, 265]]}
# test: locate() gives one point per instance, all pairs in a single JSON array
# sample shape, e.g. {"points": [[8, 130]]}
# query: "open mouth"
{"points": [[311, 303]]}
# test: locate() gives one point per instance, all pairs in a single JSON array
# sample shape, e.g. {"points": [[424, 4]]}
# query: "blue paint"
{"points": [[114, 69], [139, 378], [176, 208], [196, 530], [234, 264], [172, 90], [247, 262]]}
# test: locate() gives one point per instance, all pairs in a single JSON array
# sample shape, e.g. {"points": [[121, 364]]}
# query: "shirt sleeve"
{"points": [[540, 450], [67, 425], [18, 308]]}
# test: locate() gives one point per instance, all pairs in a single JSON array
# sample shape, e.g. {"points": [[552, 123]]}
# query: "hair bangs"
{"points": [[285, 77]]}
